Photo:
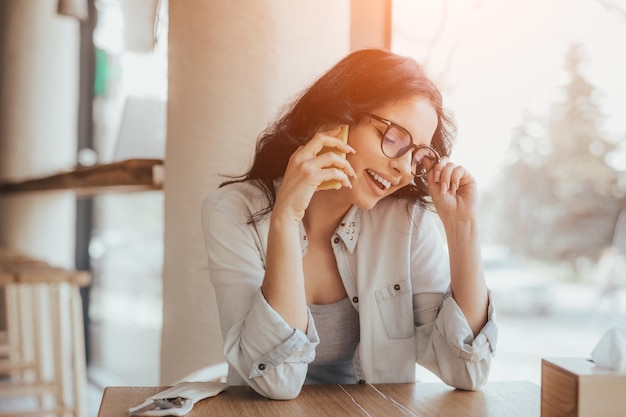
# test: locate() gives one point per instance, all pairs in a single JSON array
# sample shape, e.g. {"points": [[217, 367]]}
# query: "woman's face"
{"points": [[377, 175]]}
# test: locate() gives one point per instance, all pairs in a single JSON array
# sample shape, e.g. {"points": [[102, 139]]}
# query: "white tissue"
{"points": [[190, 392], [610, 352]]}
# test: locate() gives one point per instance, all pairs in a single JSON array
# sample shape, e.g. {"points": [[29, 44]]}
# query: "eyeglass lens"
{"points": [[396, 142]]}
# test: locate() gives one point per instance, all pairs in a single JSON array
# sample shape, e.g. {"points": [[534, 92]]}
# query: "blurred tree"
{"points": [[559, 199], [451, 21]]}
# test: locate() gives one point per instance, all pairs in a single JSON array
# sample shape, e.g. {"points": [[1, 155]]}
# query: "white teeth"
{"points": [[380, 179]]}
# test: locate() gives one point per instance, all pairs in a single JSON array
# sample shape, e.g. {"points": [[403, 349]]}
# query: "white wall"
{"points": [[232, 65]]}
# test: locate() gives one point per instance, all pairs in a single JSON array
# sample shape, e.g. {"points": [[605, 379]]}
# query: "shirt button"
{"points": [[261, 367], [396, 287], [361, 381], [336, 240], [355, 299]]}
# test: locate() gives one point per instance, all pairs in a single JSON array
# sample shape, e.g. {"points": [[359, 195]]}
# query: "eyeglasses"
{"points": [[397, 141]]}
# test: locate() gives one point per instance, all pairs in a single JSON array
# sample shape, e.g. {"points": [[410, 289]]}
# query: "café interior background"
{"points": [[537, 90]]}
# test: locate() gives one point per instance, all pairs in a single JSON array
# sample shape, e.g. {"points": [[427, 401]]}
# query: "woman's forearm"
{"points": [[467, 276], [283, 283]]}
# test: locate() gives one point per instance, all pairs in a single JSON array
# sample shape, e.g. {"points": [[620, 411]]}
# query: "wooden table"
{"points": [[510, 399]]}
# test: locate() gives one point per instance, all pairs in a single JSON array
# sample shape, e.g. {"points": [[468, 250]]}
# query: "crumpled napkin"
{"points": [[189, 392], [610, 352]]}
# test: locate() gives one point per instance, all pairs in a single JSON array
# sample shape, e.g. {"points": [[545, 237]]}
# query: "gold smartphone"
{"points": [[334, 184]]}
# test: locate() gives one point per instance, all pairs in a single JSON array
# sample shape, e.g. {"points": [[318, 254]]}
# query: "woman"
{"points": [[353, 284]]}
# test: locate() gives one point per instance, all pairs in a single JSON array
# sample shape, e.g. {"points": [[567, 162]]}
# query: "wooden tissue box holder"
{"points": [[576, 387]]}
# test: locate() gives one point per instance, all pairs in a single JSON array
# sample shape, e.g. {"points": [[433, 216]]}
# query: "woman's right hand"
{"points": [[307, 169]]}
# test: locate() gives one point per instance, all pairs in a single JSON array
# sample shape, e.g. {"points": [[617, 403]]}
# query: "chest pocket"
{"points": [[396, 310]]}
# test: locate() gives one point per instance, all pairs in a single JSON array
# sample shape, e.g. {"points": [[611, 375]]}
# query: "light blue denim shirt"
{"points": [[394, 266]]}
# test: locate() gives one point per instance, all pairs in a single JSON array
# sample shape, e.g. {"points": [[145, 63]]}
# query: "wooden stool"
{"points": [[42, 350]]}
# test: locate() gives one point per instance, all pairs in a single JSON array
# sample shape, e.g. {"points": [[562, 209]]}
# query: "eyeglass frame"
{"points": [[412, 147]]}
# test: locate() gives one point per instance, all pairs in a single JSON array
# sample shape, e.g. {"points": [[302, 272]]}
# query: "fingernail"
{"points": [[444, 187]]}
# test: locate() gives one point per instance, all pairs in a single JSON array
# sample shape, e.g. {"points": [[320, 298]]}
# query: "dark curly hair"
{"points": [[361, 82]]}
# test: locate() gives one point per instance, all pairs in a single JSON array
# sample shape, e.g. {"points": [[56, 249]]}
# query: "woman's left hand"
{"points": [[454, 192], [455, 195]]}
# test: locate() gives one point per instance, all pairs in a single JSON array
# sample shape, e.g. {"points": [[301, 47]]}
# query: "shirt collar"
{"points": [[348, 230]]}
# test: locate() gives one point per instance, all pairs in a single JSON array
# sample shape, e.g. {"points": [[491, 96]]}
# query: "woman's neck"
{"points": [[325, 212]]}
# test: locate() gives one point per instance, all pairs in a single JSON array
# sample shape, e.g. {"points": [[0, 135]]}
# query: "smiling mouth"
{"points": [[382, 183]]}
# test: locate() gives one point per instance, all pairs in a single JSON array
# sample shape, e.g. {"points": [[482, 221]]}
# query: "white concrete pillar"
{"points": [[232, 65], [370, 24], [38, 110]]}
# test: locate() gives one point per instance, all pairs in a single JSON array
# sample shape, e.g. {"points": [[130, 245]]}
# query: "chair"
{"points": [[42, 345]]}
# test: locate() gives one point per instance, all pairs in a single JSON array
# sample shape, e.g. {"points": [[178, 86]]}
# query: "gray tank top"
{"points": [[337, 325]]}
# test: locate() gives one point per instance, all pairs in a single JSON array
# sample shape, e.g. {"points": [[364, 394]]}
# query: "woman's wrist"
{"points": [[462, 232]]}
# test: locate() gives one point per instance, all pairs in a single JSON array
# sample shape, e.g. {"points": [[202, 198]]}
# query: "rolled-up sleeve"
{"points": [[272, 356], [259, 346], [448, 347]]}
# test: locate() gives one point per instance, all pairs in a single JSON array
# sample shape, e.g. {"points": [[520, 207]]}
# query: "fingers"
{"points": [[335, 169], [322, 161], [330, 167], [331, 159], [332, 178], [448, 176], [327, 141]]}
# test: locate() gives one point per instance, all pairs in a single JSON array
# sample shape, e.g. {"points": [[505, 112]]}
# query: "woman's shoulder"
{"points": [[236, 197]]}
